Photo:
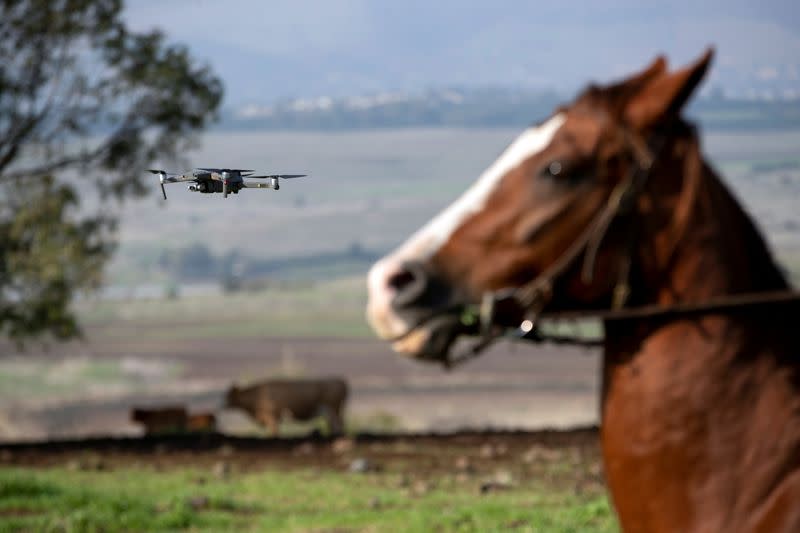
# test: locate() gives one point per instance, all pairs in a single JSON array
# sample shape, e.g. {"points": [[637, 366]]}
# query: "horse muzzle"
{"points": [[413, 308]]}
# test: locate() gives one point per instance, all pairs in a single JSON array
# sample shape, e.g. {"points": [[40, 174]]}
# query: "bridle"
{"points": [[534, 296]]}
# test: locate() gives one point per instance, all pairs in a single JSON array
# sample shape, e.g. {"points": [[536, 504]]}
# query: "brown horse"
{"points": [[700, 411]]}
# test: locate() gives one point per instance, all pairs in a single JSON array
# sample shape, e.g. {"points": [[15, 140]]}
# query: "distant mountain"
{"points": [[445, 107], [488, 107]]}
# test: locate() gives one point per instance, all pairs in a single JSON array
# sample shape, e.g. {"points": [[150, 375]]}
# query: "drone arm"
{"points": [[178, 178]]}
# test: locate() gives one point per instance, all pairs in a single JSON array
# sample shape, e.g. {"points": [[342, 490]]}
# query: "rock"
{"points": [[222, 469], [486, 451], [538, 453], [502, 480], [420, 487], [463, 464], [504, 477], [343, 445], [361, 465], [492, 486], [493, 451], [307, 448]]}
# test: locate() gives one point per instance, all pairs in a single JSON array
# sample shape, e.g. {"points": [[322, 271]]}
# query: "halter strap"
{"points": [[534, 296]]}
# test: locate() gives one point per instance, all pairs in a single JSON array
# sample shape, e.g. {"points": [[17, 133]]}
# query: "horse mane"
{"points": [[745, 246]]}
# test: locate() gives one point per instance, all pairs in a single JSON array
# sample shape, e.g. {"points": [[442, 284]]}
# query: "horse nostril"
{"points": [[409, 282], [400, 279]]}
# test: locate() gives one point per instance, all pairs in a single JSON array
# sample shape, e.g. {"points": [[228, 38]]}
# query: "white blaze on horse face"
{"points": [[423, 244], [426, 242]]}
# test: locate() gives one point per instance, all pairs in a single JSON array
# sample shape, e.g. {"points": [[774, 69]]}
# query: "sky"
{"points": [[267, 51]]}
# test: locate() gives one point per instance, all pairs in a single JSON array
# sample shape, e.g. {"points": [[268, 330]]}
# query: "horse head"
{"points": [[522, 217]]}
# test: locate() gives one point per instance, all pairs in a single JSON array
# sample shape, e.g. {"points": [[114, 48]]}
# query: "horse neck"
{"points": [[684, 399], [705, 246], [698, 245]]}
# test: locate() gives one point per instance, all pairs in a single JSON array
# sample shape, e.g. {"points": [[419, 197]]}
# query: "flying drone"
{"points": [[224, 180]]}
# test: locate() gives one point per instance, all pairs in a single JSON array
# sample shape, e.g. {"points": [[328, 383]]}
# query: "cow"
{"points": [[269, 401], [201, 423], [173, 419], [167, 419]]}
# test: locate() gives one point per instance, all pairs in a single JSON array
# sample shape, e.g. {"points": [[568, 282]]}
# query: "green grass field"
{"points": [[60, 499]]}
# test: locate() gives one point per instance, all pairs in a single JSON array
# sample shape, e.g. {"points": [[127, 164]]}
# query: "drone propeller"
{"points": [[224, 169], [280, 176]]}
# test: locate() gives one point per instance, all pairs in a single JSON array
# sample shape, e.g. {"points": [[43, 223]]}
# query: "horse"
{"points": [[609, 208]]}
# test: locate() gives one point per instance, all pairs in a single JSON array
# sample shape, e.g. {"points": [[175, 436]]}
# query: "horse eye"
{"points": [[552, 170]]}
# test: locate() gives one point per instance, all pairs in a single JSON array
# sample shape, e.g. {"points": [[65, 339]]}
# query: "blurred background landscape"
{"points": [[393, 112]]}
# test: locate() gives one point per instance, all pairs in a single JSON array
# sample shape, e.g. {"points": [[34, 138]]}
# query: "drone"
{"points": [[224, 180]]}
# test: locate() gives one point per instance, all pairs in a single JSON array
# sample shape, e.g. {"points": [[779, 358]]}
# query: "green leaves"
{"points": [[80, 95], [47, 252]]}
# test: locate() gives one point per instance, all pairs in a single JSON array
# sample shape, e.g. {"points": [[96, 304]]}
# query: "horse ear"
{"points": [[617, 94], [666, 95], [637, 81]]}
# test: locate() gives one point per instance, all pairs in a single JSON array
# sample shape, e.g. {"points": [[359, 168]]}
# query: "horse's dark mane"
{"points": [[764, 270], [741, 232]]}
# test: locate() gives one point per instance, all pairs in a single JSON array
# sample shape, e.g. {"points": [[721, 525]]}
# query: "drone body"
{"points": [[224, 180]]}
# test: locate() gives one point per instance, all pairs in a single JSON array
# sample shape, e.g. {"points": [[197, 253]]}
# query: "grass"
{"points": [[59, 499]]}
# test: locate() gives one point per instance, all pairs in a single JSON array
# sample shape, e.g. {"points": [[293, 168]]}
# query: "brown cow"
{"points": [[168, 419], [201, 422], [301, 399], [173, 419]]}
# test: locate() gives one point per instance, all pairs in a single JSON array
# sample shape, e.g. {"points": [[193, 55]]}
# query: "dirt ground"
{"points": [[555, 456], [512, 386]]}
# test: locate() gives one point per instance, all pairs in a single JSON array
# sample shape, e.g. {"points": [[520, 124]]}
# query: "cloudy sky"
{"points": [[288, 48]]}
